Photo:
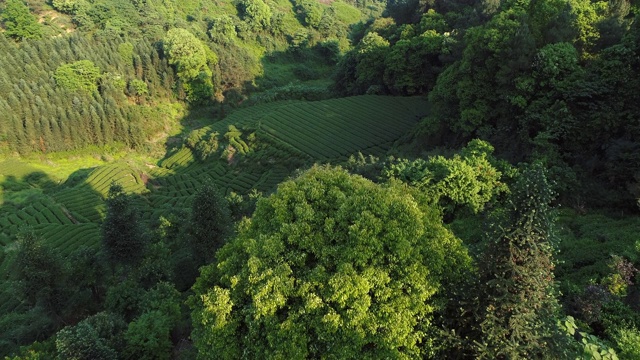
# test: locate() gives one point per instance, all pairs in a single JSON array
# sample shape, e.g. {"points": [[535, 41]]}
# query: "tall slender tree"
{"points": [[210, 222], [121, 233], [517, 309]]}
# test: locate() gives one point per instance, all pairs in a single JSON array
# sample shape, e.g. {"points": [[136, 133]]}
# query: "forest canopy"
{"points": [[319, 179], [330, 265]]}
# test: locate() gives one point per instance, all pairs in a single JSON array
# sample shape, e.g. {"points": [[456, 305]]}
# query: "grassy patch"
{"points": [[18, 197], [346, 13], [587, 242]]}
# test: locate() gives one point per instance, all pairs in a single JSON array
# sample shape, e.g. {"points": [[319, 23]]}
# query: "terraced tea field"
{"points": [[314, 131], [288, 134], [337, 128], [323, 130]]}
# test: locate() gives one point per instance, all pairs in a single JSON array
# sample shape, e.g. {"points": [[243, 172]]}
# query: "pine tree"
{"points": [[122, 236], [210, 222], [57, 141], [46, 137], [96, 129], [517, 303], [16, 133]]}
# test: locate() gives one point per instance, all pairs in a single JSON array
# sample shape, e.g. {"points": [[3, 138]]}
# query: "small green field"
{"points": [[324, 130]]}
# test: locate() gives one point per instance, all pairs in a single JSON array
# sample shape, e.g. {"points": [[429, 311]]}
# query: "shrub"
{"points": [[81, 75]]}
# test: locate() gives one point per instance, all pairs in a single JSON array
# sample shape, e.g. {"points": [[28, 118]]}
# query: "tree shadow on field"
{"points": [[26, 205]]}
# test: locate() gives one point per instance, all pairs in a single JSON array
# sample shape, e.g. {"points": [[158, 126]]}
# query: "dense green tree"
{"points": [[87, 274], [80, 75], [412, 65], [122, 235], [24, 327], [370, 55], [186, 52], [40, 272], [138, 88], [70, 6], [518, 307], [94, 338], [18, 21], [124, 299], [222, 30], [310, 12], [472, 95], [331, 265], [148, 337], [156, 265], [256, 13], [469, 179], [585, 16], [210, 223], [191, 59]]}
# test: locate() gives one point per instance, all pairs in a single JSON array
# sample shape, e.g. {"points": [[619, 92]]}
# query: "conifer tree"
{"points": [[121, 233], [40, 272], [95, 126], [517, 303], [210, 222]]}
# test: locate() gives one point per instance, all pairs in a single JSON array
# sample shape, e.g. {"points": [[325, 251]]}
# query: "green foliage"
{"points": [[222, 30], [96, 337], [310, 12], [24, 327], [628, 342], [370, 56], [148, 337], [40, 273], [82, 343], [138, 88], [207, 147], [467, 94], [402, 60], [186, 52], [591, 347], [124, 299], [622, 274], [81, 75], [469, 179], [121, 233], [70, 6], [256, 13], [235, 140], [292, 91], [585, 16], [517, 305], [192, 60], [210, 222], [18, 21], [346, 13], [587, 242], [317, 272], [36, 351], [126, 51], [412, 65], [164, 298], [156, 265]]}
